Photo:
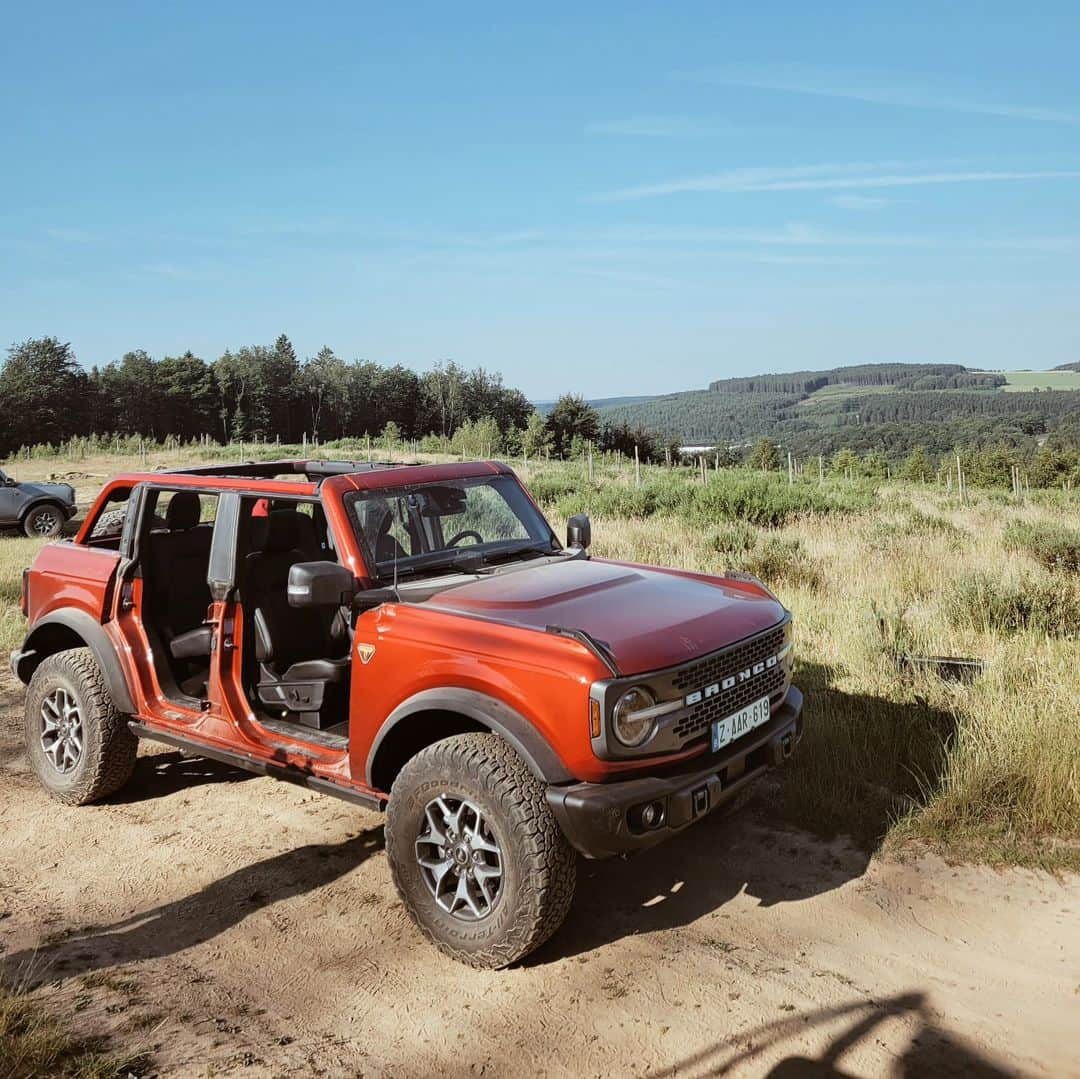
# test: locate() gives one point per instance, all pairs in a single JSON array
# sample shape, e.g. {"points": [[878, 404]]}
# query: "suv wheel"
{"points": [[44, 522], [79, 745], [475, 851]]}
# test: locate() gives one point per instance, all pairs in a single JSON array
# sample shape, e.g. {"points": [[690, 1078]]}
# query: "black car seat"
{"points": [[377, 518], [308, 541], [179, 561], [302, 653]]}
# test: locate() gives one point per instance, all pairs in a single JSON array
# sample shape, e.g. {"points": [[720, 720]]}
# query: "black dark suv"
{"points": [[39, 509]]}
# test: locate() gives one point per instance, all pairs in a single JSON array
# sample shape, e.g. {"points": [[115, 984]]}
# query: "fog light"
{"points": [[648, 816]]}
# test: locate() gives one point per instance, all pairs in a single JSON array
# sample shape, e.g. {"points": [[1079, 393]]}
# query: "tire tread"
{"points": [[111, 760], [550, 865]]}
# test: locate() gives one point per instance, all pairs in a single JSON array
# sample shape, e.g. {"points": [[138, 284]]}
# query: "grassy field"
{"points": [[841, 390], [985, 770], [1042, 380]]}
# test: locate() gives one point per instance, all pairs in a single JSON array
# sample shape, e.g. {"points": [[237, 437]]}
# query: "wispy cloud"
{"points": [[859, 202], [869, 88], [659, 127], [827, 178]]}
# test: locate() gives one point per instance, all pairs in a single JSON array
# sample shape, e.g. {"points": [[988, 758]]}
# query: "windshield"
{"points": [[449, 524]]}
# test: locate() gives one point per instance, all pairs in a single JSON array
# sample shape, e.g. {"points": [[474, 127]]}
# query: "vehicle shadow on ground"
{"points": [[698, 872], [159, 774], [835, 785], [931, 1051], [185, 923]]}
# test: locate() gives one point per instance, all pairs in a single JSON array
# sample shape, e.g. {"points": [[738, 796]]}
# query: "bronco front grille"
{"points": [[692, 695], [715, 669]]}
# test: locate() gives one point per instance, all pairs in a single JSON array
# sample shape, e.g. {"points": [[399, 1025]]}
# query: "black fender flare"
{"points": [[48, 631], [41, 500], [489, 712]]}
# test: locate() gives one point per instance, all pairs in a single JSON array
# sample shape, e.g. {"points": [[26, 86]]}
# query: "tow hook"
{"points": [[785, 746]]}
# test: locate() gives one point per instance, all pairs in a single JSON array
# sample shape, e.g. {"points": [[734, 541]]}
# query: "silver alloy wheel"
{"points": [[45, 523], [61, 730], [459, 858]]}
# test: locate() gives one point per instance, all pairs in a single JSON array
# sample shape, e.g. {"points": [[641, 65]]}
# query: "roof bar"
{"points": [[270, 469]]}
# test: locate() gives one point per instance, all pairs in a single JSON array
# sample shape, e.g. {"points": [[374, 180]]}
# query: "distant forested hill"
{"points": [[887, 407], [906, 376]]}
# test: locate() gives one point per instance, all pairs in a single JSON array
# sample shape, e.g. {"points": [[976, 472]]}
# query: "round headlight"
{"points": [[630, 730]]}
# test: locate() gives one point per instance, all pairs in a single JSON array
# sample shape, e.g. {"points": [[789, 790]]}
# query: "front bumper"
{"points": [[598, 819]]}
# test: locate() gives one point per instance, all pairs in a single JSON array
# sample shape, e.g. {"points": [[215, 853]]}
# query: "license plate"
{"points": [[735, 726]]}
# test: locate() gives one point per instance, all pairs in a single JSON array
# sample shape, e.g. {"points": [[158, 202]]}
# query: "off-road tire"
{"points": [[44, 521], [108, 746], [539, 866]]}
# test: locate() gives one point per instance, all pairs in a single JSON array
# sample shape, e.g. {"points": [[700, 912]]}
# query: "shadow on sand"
{"points": [[861, 762], [931, 1051], [184, 923], [160, 774]]}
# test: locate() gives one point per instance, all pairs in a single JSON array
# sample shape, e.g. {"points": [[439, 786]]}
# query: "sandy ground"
{"points": [[242, 926]]}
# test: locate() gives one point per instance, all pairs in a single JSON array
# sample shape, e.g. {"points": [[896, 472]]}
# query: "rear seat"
{"points": [[179, 561]]}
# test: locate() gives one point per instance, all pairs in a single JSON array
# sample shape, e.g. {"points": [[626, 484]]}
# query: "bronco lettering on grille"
{"points": [[731, 680]]}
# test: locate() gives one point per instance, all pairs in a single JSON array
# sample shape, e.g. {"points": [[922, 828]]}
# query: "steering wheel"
{"points": [[465, 535]]}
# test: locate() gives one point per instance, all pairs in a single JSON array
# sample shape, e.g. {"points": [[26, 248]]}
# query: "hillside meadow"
{"points": [[896, 752]]}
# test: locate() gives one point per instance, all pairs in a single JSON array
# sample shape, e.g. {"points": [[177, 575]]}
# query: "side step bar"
{"points": [[290, 774]]}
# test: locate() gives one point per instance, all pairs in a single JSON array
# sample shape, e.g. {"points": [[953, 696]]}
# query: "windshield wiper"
{"points": [[468, 561], [478, 561]]}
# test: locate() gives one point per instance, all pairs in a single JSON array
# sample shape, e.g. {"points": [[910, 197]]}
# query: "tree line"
{"points": [[918, 376], [250, 393], [266, 393]]}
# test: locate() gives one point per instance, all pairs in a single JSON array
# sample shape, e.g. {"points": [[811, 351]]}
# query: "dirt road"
{"points": [[245, 926]]}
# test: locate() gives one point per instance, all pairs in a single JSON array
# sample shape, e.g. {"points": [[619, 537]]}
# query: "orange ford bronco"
{"points": [[411, 638]]}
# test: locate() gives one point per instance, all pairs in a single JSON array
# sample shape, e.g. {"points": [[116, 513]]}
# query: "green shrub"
{"points": [[989, 605], [763, 500], [770, 501], [548, 488], [781, 558], [735, 539], [1053, 545], [928, 525]]}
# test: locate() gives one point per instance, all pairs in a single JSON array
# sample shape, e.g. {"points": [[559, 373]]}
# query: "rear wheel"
{"points": [[44, 522], [475, 851], [79, 745]]}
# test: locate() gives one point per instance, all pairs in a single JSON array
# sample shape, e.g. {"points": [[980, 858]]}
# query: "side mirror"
{"points": [[579, 531], [320, 584]]}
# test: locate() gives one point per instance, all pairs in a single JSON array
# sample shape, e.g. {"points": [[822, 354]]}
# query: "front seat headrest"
{"points": [[284, 529], [183, 512]]}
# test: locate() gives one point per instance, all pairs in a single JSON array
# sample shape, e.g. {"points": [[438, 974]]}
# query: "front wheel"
{"points": [[79, 745], [44, 522], [475, 852]]}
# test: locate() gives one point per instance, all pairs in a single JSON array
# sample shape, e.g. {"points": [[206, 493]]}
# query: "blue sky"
{"points": [[634, 198]]}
